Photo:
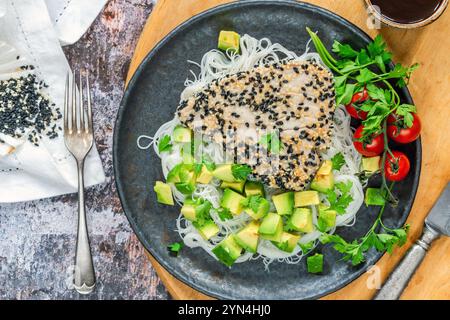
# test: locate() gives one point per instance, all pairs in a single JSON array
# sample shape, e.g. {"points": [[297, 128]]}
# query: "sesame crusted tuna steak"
{"points": [[294, 100]]}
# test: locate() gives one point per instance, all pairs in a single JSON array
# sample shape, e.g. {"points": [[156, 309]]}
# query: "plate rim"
{"points": [[211, 11]]}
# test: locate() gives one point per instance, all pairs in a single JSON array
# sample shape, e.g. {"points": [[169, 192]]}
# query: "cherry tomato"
{"points": [[371, 149], [396, 168], [400, 133], [357, 98]]}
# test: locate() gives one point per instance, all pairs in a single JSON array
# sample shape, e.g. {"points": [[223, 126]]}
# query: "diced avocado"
{"points": [[315, 263], [323, 183], [224, 173], [306, 198], [188, 211], [163, 193], [288, 242], [253, 188], [248, 237], [374, 197], [326, 219], [181, 173], [236, 186], [271, 227], [301, 220], [205, 176], [284, 202], [186, 178], [325, 168], [208, 230], [232, 201], [182, 134], [371, 164], [227, 251], [263, 209], [228, 40]]}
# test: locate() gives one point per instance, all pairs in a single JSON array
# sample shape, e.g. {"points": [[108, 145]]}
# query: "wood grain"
{"points": [[429, 87]]}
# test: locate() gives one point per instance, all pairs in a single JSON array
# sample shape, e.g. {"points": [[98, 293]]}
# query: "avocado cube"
{"points": [[325, 168], [301, 220], [227, 251], [228, 40], [182, 134], [205, 176], [374, 197], [271, 227], [224, 173], [284, 202], [232, 201], [248, 237], [315, 263], [236, 186], [263, 209], [323, 183], [371, 164], [253, 188], [306, 198], [326, 219], [188, 211], [208, 230], [163, 193], [288, 242]]}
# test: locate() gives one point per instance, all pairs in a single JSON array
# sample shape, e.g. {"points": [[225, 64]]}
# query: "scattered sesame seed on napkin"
{"points": [[37, 29]]}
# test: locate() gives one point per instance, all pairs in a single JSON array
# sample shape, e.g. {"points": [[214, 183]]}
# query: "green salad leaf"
{"points": [[340, 197], [338, 161], [175, 247], [240, 171]]}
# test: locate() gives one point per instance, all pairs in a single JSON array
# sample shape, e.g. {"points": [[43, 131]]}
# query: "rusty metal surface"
{"points": [[38, 238]]}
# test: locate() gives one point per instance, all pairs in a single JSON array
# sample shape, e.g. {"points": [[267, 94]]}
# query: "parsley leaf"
{"points": [[344, 50], [340, 197], [224, 214], [240, 171], [164, 144], [338, 161], [175, 248], [253, 202]]}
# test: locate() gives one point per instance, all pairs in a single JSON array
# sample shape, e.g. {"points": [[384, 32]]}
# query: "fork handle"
{"points": [[84, 268]]}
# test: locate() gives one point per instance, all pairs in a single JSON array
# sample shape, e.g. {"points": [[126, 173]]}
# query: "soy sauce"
{"points": [[407, 11]]}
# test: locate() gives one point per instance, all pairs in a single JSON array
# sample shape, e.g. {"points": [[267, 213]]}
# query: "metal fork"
{"points": [[79, 138]]}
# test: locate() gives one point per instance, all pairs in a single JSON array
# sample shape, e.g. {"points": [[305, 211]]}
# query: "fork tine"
{"points": [[66, 104], [89, 107], [81, 105], [74, 103]]}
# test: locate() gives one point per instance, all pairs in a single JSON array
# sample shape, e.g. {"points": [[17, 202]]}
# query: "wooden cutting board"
{"points": [[430, 89]]}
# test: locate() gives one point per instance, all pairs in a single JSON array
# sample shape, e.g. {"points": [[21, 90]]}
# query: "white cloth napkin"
{"points": [[48, 170]]}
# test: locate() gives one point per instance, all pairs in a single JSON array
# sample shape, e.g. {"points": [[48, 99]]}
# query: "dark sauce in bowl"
{"points": [[407, 11]]}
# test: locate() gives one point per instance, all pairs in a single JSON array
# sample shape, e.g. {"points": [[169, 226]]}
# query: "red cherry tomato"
{"points": [[396, 168], [357, 98], [400, 133], [370, 149]]}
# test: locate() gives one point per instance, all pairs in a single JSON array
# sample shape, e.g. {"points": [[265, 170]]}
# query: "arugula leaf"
{"points": [[240, 171], [338, 161], [224, 214], [340, 197], [164, 144], [175, 248]]}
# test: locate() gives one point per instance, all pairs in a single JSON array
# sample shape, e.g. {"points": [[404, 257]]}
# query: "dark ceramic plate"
{"points": [[151, 99]]}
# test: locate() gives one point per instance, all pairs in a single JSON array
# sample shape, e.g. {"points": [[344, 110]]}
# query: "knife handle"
{"points": [[399, 278]]}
